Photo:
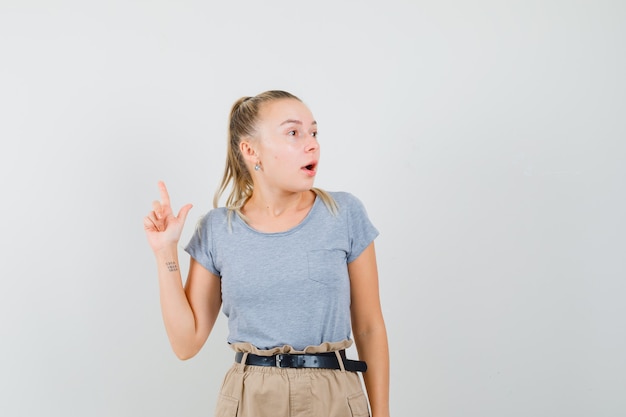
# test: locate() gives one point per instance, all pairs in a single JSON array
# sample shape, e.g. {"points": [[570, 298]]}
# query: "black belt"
{"points": [[327, 360]]}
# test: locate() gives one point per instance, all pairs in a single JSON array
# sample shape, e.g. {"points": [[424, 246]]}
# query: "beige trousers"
{"points": [[259, 391]]}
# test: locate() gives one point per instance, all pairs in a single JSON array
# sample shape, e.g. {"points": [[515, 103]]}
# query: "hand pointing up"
{"points": [[163, 229]]}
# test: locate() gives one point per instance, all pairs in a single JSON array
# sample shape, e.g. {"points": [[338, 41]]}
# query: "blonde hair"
{"points": [[242, 123]]}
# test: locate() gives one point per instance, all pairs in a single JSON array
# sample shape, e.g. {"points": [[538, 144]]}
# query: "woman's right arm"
{"points": [[189, 312]]}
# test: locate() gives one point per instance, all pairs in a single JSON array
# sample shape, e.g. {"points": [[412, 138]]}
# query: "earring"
{"points": [[257, 167]]}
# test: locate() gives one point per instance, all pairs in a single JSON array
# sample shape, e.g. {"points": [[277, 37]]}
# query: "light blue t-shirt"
{"points": [[288, 288]]}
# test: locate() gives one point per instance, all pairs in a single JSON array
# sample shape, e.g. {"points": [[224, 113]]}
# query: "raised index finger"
{"points": [[165, 197]]}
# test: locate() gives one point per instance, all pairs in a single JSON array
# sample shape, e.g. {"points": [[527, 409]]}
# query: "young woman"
{"points": [[292, 267]]}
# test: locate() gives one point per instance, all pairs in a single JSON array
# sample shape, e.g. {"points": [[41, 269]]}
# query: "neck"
{"points": [[275, 205]]}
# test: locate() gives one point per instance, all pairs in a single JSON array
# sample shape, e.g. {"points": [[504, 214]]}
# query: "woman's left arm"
{"points": [[368, 328]]}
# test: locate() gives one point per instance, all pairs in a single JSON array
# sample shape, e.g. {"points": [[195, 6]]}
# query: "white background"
{"points": [[487, 140]]}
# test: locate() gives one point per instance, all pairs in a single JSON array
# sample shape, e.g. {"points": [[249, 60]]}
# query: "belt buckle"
{"points": [[279, 360], [287, 360]]}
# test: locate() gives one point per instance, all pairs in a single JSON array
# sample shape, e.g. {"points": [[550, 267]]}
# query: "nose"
{"points": [[312, 144]]}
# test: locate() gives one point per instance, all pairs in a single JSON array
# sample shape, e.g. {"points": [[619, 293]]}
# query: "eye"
{"points": [[314, 134], [292, 133]]}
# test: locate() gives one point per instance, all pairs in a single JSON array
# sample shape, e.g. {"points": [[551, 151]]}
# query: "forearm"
{"points": [[178, 315], [373, 348]]}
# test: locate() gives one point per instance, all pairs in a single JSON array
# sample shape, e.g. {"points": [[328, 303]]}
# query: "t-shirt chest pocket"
{"points": [[327, 266]]}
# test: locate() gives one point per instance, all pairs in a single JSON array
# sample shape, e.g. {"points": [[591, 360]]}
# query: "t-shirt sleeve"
{"points": [[362, 231], [200, 246]]}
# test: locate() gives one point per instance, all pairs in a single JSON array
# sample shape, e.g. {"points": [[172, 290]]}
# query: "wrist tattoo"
{"points": [[171, 266]]}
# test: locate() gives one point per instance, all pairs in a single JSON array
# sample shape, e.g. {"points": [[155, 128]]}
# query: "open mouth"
{"points": [[311, 167]]}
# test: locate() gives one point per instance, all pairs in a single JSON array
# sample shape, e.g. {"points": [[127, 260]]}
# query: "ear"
{"points": [[248, 152]]}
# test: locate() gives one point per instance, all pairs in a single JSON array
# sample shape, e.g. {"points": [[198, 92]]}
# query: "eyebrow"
{"points": [[298, 122]]}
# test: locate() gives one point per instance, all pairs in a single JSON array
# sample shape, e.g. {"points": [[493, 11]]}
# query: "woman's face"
{"points": [[287, 146]]}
